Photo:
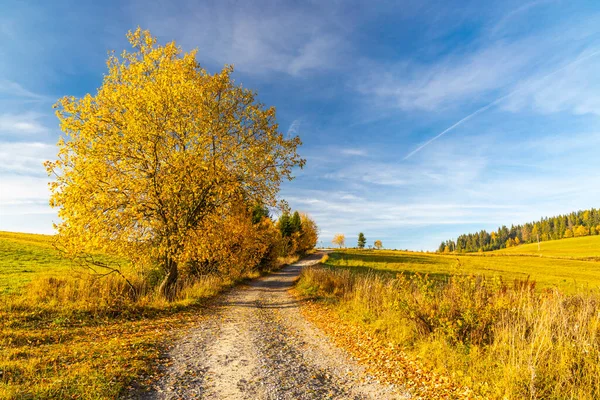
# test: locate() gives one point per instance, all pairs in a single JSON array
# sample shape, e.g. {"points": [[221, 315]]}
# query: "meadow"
{"points": [[507, 325], [586, 247], [23, 257], [65, 333], [570, 265]]}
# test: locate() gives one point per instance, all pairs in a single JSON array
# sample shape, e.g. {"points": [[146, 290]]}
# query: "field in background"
{"points": [[579, 247], [568, 264]]}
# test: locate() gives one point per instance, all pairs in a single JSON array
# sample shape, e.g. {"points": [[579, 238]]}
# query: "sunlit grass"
{"points": [[24, 257], [67, 334], [503, 339], [566, 274], [580, 247]]}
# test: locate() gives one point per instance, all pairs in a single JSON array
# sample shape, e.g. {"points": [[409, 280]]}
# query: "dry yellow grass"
{"points": [[503, 341], [71, 335]]}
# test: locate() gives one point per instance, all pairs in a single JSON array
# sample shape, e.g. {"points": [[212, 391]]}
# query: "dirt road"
{"points": [[257, 345]]}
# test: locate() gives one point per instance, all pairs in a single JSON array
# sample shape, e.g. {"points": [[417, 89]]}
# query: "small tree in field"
{"points": [[362, 240], [156, 160], [378, 244], [339, 239]]}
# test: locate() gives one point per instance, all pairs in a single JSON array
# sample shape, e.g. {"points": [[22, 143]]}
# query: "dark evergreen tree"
{"points": [[362, 240], [284, 224], [295, 222], [259, 212]]}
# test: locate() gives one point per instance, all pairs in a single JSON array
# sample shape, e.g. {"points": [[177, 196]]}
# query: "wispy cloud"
{"points": [[469, 74], [573, 99], [17, 124], [257, 38], [446, 167], [353, 152], [294, 128], [519, 12], [13, 90], [573, 88], [456, 79], [24, 158]]}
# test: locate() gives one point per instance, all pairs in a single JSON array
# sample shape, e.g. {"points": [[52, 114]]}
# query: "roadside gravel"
{"points": [[257, 345]]}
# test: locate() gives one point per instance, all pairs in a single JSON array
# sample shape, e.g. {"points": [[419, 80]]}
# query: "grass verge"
{"points": [[84, 338], [500, 341]]}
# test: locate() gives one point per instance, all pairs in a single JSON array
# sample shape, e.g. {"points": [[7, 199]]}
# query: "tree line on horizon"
{"points": [[575, 224]]}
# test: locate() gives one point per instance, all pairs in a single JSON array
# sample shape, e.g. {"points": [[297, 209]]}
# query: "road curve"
{"points": [[257, 345]]}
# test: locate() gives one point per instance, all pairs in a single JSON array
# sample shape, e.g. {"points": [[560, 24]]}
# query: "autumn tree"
{"points": [[568, 233], [581, 231], [378, 245], [151, 162], [362, 240], [309, 234], [339, 239]]}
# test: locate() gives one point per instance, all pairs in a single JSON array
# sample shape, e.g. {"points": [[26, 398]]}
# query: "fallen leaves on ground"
{"points": [[385, 361]]}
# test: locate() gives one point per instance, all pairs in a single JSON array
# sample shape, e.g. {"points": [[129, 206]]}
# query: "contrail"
{"points": [[493, 103]]}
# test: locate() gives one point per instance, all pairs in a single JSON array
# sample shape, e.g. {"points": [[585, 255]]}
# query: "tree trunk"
{"points": [[168, 286]]}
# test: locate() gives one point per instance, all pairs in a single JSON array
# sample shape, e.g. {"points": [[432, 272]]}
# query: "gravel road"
{"points": [[257, 345]]}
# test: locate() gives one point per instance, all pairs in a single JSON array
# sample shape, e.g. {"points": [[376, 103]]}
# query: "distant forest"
{"points": [[580, 223]]}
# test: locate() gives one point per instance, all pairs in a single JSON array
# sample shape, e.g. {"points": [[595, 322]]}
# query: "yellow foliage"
{"points": [[568, 233], [339, 239], [581, 231], [309, 234], [149, 165]]}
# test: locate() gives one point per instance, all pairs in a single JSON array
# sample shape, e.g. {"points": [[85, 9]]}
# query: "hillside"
{"points": [[25, 256], [580, 247], [576, 224]]}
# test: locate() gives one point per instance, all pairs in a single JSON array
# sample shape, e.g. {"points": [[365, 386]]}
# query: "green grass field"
{"points": [[569, 265], [581, 247], [24, 256]]}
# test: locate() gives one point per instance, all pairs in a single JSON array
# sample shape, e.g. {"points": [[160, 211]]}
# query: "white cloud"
{"points": [[519, 12], [23, 190], [15, 90], [458, 78], [16, 124], [353, 152], [294, 128], [490, 67], [574, 89], [24, 158], [256, 37], [439, 168]]}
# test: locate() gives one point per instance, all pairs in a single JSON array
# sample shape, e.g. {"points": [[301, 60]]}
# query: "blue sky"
{"points": [[367, 86]]}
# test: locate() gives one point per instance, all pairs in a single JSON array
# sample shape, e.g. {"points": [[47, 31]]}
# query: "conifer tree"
{"points": [[362, 240]]}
